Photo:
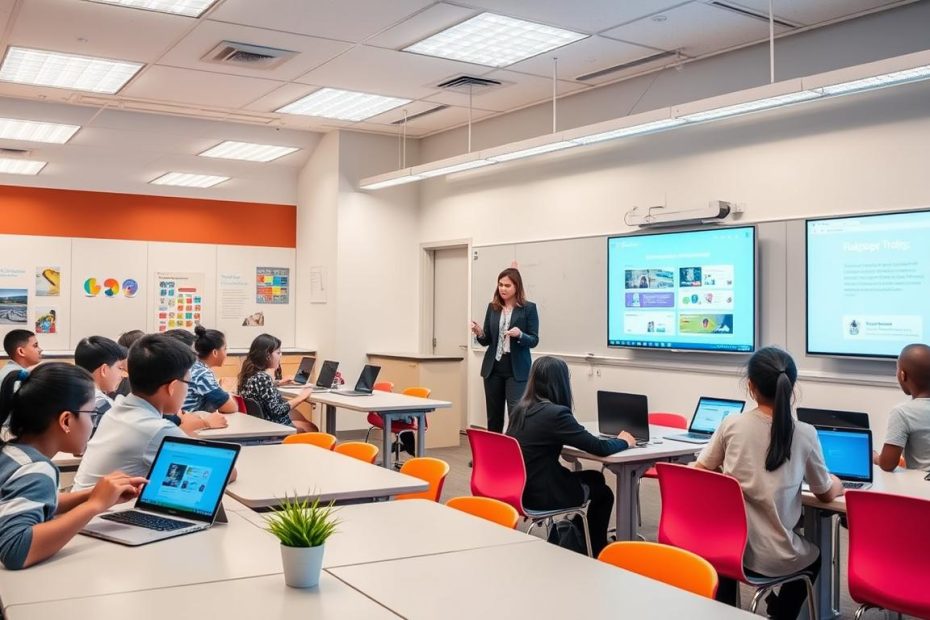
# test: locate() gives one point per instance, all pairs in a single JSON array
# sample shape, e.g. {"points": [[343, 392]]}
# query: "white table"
{"points": [[630, 465], [819, 524], [407, 528], [66, 462], [244, 428], [523, 581], [268, 473]]}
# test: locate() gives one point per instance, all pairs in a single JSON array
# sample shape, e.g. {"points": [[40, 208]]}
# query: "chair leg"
{"points": [[368, 434], [755, 598], [861, 611], [587, 533], [835, 522], [811, 606]]}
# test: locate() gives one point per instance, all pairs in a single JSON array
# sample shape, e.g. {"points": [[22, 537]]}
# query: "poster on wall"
{"points": [[179, 300], [14, 306], [46, 320], [48, 281], [272, 285]]}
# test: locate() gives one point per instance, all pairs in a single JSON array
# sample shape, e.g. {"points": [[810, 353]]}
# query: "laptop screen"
{"points": [[710, 413], [188, 477], [305, 370], [617, 411], [327, 374], [366, 380], [847, 452], [833, 419]]}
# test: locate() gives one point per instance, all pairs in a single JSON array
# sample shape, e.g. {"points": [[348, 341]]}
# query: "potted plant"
{"points": [[302, 526]]}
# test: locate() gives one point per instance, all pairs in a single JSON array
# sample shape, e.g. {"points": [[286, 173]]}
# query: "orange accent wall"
{"points": [[100, 215]]}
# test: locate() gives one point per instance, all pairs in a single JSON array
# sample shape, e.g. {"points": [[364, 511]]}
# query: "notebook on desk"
{"points": [[324, 381], [304, 371], [847, 453], [366, 382], [184, 494], [617, 411], [708, 415]]}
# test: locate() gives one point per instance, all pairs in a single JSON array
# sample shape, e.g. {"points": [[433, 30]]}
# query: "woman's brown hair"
{"points": [[513, 275], [258, 358]]}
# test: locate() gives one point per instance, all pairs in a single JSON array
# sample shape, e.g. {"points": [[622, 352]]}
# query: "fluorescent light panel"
{"points": [[392, 182], [185, 179], [633, 130], [494, 40], [39, 68], [536, 150], [36, 131], [188, 8], [469, 165], [20, 166], [879, 81], [344, 105], [751, 106], [248, 152]]}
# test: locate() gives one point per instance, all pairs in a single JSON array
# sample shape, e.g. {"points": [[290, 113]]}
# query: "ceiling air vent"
{"points": [[464, 83], [414, 117], [246, 55], [627, 65], [15, 152]]}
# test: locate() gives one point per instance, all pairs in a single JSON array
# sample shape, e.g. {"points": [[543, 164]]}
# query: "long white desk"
{"points": [[523, 581], [268, 473], [244, 428], [630, 465]]}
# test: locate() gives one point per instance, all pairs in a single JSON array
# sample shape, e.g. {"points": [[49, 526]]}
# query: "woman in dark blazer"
{"points": [[543, 423], [511, 329]]}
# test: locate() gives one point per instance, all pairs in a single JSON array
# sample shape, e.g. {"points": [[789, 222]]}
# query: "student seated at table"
{"points": [[24, 351], [130, 434], [256, 383], [771, 454], [204, 392], [50, 412], [105, 360], [542, 422], [126, 340], [909, 423]]}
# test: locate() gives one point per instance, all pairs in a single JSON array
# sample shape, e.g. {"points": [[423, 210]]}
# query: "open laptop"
{"points": [[324, 381], [305, 370], [708, 415], [617, 411], [833, 419], [848, 455], [365, 383], [184, 494]]}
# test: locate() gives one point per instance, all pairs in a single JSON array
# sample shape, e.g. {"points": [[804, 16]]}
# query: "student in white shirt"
{"points": [[771, 454], [24, 351], [105, 360], [909, 423]]}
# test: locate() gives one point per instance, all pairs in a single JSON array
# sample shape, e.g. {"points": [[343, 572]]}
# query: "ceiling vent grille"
{"points": [[750, 13], [414, 117], [15, 152], [466, 83], [247, 55], [627, 65]]}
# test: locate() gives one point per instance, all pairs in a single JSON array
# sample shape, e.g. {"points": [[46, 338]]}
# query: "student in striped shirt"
{"points": [[204, 392], [50, 412]]}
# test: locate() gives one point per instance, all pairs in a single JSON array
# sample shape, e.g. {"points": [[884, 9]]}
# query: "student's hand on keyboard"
{"points": [[113, 489], [628, 438]]}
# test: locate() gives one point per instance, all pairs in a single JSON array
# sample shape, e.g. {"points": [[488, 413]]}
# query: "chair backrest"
{"points": [[671, 565], [360, 450], [322, 440], [671, 420], [433, 471], [718, 534], [486, 508], [498, 470], [383, 386], [419, 392], [240, 403], [253, 408], [884, 560]]}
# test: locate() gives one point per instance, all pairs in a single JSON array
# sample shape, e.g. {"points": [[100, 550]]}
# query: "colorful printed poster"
{"points": [[179, 301], [46, 321], [272, 285], [48, 281], [14, 305]]}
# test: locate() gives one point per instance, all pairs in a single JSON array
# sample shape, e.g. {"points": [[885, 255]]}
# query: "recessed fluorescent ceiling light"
{"points": [[185, 179], [752, 106], [35, 131], [344, 105], [189, 8], [248, 151], [39, 68], [536, 150], [468, 165], [392, 182], [629, 131], [494, 40], [879, 81], [20, 166]]}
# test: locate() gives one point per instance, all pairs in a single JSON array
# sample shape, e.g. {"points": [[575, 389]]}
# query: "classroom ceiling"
{"points": [[353, 45]]}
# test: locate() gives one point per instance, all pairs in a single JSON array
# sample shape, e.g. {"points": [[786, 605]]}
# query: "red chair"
{"points": [[240, 403], [498, 472], [671, 420], [718, 535], [885, 562], [397, 427]]}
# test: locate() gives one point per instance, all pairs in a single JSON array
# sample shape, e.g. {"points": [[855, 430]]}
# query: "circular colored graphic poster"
{"points": [[111, 287], [91, 288], [130, 287]]}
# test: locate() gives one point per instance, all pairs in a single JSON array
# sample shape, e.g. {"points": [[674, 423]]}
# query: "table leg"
{"points": [[818, 528], [626, 500], [421, 433], [387, 458], [330, 421]]}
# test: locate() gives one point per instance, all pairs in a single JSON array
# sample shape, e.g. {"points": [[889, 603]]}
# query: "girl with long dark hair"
{"points": [[255, 382]]}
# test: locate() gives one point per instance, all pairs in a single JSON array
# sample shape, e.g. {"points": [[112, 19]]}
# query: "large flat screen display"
{"points": [[867, 282], [693, 290]]}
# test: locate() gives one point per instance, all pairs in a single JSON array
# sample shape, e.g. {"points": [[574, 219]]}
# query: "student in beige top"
{"points": [[771, 454]]}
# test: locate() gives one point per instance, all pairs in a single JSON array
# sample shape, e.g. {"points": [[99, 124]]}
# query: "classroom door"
{"points": [[450, 312]]}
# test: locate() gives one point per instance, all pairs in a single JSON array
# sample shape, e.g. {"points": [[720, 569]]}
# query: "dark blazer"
{"points": [[542, 430], [527, 319]]}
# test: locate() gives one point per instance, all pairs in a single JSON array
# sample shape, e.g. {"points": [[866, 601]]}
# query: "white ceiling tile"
{"points": [[345, 20], [280, 97], [312, 51], [589, 16], [808, 13], [586, 56], [422, 25], [695, 29], [198, 87], [387, 72], [93, 29], [449, 116], [517, 90]]}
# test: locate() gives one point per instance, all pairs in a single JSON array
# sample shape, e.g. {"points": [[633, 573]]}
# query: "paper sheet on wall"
{"points": [[179, 301], [317, 285], [236, 302]]}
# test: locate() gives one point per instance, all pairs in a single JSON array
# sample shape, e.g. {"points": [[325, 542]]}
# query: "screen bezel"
{"points": [[858, 431], [839, 419], [807, 303], [675, 231]]}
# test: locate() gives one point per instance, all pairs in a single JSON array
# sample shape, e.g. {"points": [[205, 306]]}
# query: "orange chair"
{"points": [[671, 565], [321, 440], [487, 508], [376, 421], [383, 386], [358, 450], [433, 471]]}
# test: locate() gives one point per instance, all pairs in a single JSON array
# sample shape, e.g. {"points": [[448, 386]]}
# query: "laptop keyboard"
{"points": [[143, 519], [848, 484]]}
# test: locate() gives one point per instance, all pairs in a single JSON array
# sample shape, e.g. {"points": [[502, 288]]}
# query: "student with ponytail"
{"points": [[771, 454], [50, 412], [205, 393]]}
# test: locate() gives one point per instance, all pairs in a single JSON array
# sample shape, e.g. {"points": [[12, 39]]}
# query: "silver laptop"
{"points": [[184, 494], [304, 371], [708, 415], [847, 453], [324, 381], [366, 382]]}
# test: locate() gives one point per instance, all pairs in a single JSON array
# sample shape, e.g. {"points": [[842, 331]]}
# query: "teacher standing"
{"points": [[511, 329]]}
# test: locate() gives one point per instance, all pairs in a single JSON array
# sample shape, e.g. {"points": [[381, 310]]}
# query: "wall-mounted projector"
{"points": [[715, 212]]}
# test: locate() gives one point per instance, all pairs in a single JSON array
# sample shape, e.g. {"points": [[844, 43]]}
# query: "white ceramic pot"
{"points": [[302, 565]]}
